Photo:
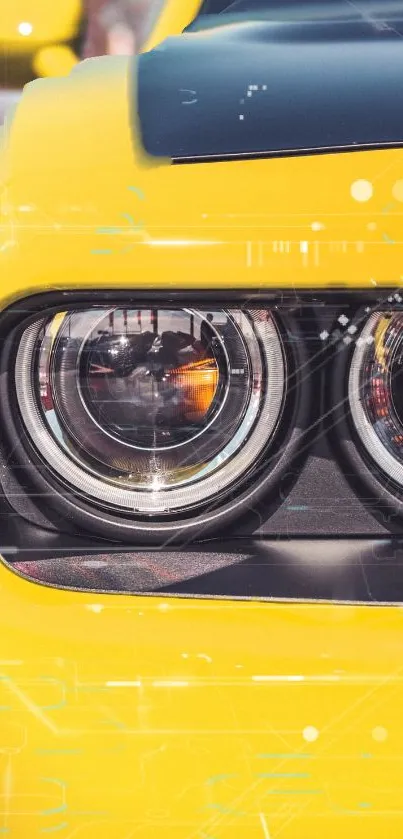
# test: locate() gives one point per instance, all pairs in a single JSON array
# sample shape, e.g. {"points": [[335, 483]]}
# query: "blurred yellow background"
{"points": [[47, 37]]}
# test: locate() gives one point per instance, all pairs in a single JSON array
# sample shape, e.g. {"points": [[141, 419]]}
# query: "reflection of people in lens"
{"points": [[207, 333], [170, 346], [168, 359]]}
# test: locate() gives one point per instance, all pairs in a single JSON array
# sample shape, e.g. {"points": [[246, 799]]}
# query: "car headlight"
{"points": [[376, 393], [150, 412]]}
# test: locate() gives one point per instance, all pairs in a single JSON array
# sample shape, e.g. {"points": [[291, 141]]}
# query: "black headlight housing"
{"points": [[314, 514], [154, 423]]}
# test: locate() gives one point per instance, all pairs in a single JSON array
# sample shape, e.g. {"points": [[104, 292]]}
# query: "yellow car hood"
{"points": [[83, 205]]}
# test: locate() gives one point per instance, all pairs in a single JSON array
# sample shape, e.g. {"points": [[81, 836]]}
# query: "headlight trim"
{"points": [[254, 433], [368, 436]]}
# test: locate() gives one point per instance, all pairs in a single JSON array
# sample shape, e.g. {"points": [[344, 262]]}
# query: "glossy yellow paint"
{"points": [[137, 717], [89, 207], [142, 717]]}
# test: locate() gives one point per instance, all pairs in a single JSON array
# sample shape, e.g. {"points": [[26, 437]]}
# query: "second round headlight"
{"points": [[376, 392]]}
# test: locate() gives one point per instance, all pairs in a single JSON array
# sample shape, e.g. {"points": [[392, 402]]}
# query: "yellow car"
{"points": [[201, 430]]}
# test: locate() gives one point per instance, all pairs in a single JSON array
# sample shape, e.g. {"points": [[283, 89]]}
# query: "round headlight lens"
{"points": [[152, 411], [376, 392], [152, 390]]}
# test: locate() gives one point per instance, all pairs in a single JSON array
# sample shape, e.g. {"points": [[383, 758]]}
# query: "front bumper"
{"points": [[335, 570]]}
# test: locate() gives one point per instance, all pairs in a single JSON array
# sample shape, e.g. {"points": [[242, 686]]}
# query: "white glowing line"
{"points": [[13, 662], [297, 678], [9, 244], [278, 678], [178, 243], [31, 706], [170, 684], [265, 828], [123, 684]]}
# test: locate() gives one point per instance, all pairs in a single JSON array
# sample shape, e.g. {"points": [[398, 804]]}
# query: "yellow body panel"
{"points": [[89, 206], [135, 717], [141, 717]]}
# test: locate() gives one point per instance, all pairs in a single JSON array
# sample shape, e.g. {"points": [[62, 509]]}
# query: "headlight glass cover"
{"points": [[376, 391], [151, 410]]}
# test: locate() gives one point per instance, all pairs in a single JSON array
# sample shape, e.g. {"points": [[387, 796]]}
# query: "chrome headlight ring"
{"points": [[367, 412]]}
